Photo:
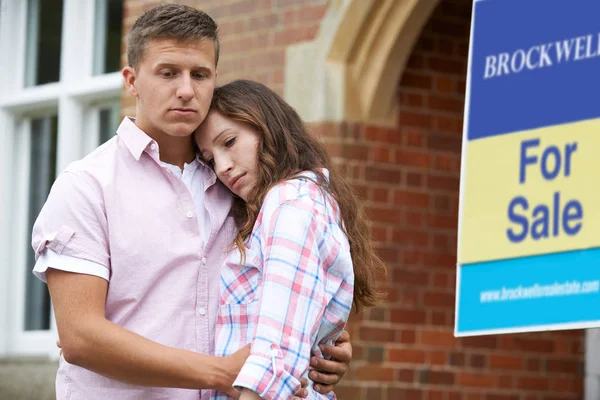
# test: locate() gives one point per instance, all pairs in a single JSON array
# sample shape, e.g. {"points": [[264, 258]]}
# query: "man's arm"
{"points": [[90, 341]]}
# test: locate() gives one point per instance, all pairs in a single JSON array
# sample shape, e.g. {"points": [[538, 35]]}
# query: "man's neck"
{"points": [[172, 149], [176, 150]]}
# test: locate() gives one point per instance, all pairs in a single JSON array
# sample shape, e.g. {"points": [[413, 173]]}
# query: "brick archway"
{"points": [[374, 40]]}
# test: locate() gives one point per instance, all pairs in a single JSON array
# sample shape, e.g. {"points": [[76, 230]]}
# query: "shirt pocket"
{"points": [[240, 281], [233, 314]]}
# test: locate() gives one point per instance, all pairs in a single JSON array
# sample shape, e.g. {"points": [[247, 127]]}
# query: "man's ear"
{"points": [[129, 75]]}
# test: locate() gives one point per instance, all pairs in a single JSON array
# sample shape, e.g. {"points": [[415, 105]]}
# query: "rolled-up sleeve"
{"points": [[73, 222], [291, 301]]}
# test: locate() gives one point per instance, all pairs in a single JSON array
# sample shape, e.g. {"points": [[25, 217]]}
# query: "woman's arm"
{"points": [[292, 301]]}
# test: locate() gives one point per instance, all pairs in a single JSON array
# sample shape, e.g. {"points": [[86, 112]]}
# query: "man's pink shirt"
{"points": [[120, 209]]}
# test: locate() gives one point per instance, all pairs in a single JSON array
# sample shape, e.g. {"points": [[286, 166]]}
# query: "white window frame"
{"points": [[73, 99]]}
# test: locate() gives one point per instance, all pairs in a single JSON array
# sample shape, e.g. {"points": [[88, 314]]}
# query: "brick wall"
{"points": [[408, 176]]}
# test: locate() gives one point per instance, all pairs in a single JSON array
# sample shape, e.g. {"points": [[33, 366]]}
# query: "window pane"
{"points": [[44, 37], [110, 118], [108, 36], [41, 176]]}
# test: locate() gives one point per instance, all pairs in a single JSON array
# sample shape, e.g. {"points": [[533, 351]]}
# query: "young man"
{"points": [[132, 237]]}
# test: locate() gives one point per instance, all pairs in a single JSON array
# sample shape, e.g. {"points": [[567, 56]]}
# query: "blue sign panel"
{"points": [[529, 237]]}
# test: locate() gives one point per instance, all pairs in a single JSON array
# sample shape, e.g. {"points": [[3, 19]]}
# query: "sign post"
{"points": [[529, 218]]}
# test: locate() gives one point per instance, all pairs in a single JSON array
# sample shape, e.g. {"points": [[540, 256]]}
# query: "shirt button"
{"points": [[190, 214], [204, 260], [153, 146], [202, 311]]}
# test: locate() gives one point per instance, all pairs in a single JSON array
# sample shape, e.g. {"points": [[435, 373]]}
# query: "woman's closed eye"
{"points": [[229, 142]]}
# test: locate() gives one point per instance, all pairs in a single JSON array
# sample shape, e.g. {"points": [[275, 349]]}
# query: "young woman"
{"points": [[302, 257]]}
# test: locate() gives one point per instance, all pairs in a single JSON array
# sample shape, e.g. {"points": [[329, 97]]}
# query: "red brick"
{"points": [[414, 219], [502, 397], [533, 383], [450, 28], [439, 318], [355, 151], [411, 99], [416, 80], [384, 175], [559, 384], [437, 338], [263, 22], [504, 362], [414, 137], [288, 36], [444, 84], [476, 380], [404, 394], [414, 179], [412, 158], [407, 316], [505, 382], [408, 336], [410, 356], [562, 366], [411, 277], [433, 377], [446, 162], [448, 124], [432, 259], [479, 342], [436, 358], [375, 373], [411, 198], [382, 135], [445, 143], [416, 61], [438, 299], [477, 361], [379, 195], [446, 103], [440, 64], [443, 221], [378, 234], [384, 335], [410, 236], [534, 345], [406, 375], [413, 119], [380, 154], [387, 254], [443, 182]]}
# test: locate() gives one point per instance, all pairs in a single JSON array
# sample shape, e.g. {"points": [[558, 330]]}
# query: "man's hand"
{"points": [[328, 373], [231, 368]]}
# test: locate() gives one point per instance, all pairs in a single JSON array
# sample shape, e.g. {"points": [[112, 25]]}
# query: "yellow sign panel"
{"points": [[531, 192]]}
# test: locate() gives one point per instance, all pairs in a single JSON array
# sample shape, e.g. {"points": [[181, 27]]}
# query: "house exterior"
{"points": [[381, 81]]}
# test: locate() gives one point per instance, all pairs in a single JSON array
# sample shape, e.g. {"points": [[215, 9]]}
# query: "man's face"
{"points": [[173, 85]]}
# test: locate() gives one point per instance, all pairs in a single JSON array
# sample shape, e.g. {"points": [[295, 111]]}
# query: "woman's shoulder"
{"points": [[305, 186]]}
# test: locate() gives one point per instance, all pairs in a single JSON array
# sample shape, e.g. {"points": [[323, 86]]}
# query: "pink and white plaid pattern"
{"points": [[293, 292]]}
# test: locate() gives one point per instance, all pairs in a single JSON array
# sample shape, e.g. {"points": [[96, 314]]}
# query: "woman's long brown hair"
{"points": [[285, 149]]}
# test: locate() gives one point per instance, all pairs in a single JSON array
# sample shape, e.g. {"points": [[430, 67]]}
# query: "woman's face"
{"points": [[231, 149]]}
